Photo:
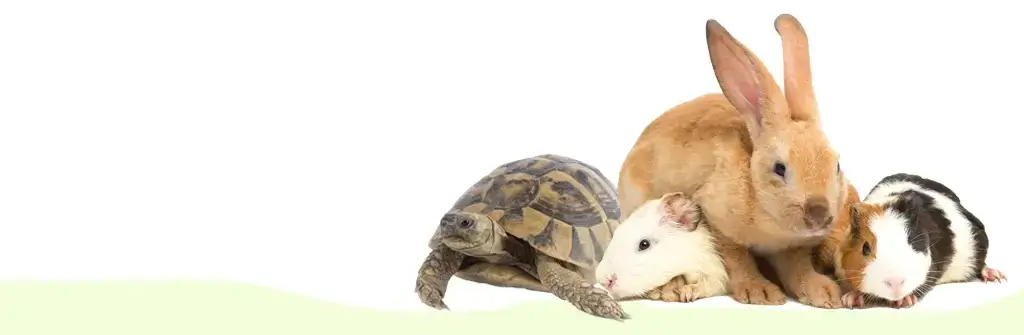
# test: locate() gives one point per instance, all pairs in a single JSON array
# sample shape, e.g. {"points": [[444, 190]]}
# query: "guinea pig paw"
{"points": [[990, 275], [689, 293], [668, 294], [670, 291], [853, 299], [906, 302]]}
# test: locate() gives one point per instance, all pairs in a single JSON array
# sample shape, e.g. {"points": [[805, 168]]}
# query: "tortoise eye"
{"points": [[465, 223]]}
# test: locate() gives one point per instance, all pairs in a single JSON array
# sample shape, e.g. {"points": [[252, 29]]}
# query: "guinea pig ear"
{"points": [[680, 212], [855, 216], [855, 221]]}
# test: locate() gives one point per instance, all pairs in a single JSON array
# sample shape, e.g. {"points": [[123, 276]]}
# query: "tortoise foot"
{"points": [[569, 286], [432, 279], [597, 302], [430, 294]]}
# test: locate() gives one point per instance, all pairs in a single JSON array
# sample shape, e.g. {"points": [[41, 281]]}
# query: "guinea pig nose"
{"points": [[608, 282], [895, 283]]}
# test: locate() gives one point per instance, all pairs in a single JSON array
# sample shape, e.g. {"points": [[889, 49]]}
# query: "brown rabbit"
{"points": [[758, 163]]}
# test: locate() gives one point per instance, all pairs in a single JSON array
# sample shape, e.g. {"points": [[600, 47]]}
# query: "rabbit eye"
{"points": [[780, 169], [838, 167], [866, 250]]}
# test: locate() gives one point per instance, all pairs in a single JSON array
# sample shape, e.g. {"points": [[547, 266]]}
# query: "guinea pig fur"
{"points": [[908, 235], [664, 238]]}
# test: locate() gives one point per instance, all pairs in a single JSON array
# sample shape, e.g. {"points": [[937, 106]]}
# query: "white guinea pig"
{"points": [[664, 239]]}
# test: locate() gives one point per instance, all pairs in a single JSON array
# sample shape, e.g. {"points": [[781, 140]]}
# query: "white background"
{"points": [[313, 145]]}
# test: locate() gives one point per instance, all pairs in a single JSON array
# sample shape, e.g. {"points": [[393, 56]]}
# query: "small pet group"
{"points": [[710, 187]]}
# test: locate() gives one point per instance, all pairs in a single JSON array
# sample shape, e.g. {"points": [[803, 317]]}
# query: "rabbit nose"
{"points": [[816, 214]]}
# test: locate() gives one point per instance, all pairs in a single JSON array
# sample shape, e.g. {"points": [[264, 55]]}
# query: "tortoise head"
{"points": [[468, 233]]}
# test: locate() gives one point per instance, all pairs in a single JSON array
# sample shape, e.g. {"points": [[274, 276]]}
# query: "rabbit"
{"points": [[757, 162]]}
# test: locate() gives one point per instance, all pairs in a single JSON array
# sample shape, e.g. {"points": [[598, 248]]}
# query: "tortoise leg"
{"points": [[500, 275], [434, 274], [570, 286]]}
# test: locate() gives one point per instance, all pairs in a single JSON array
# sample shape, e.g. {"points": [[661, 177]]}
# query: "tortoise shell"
{"points": [[561, 206]]}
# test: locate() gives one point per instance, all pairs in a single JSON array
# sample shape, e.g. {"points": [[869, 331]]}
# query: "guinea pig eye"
{"points": [[838, 167], [644, 244], [779, 169], [866, 250]]}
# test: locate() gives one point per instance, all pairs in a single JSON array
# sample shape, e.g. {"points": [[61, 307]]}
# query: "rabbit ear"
{"points": [[797, 64], [744, 80]]}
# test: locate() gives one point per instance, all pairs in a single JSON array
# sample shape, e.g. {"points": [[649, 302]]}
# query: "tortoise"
{"points": [[540, 223]]}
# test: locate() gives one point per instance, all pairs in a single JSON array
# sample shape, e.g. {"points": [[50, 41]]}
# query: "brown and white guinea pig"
{"points": [[661, 240], [909, 234]]}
